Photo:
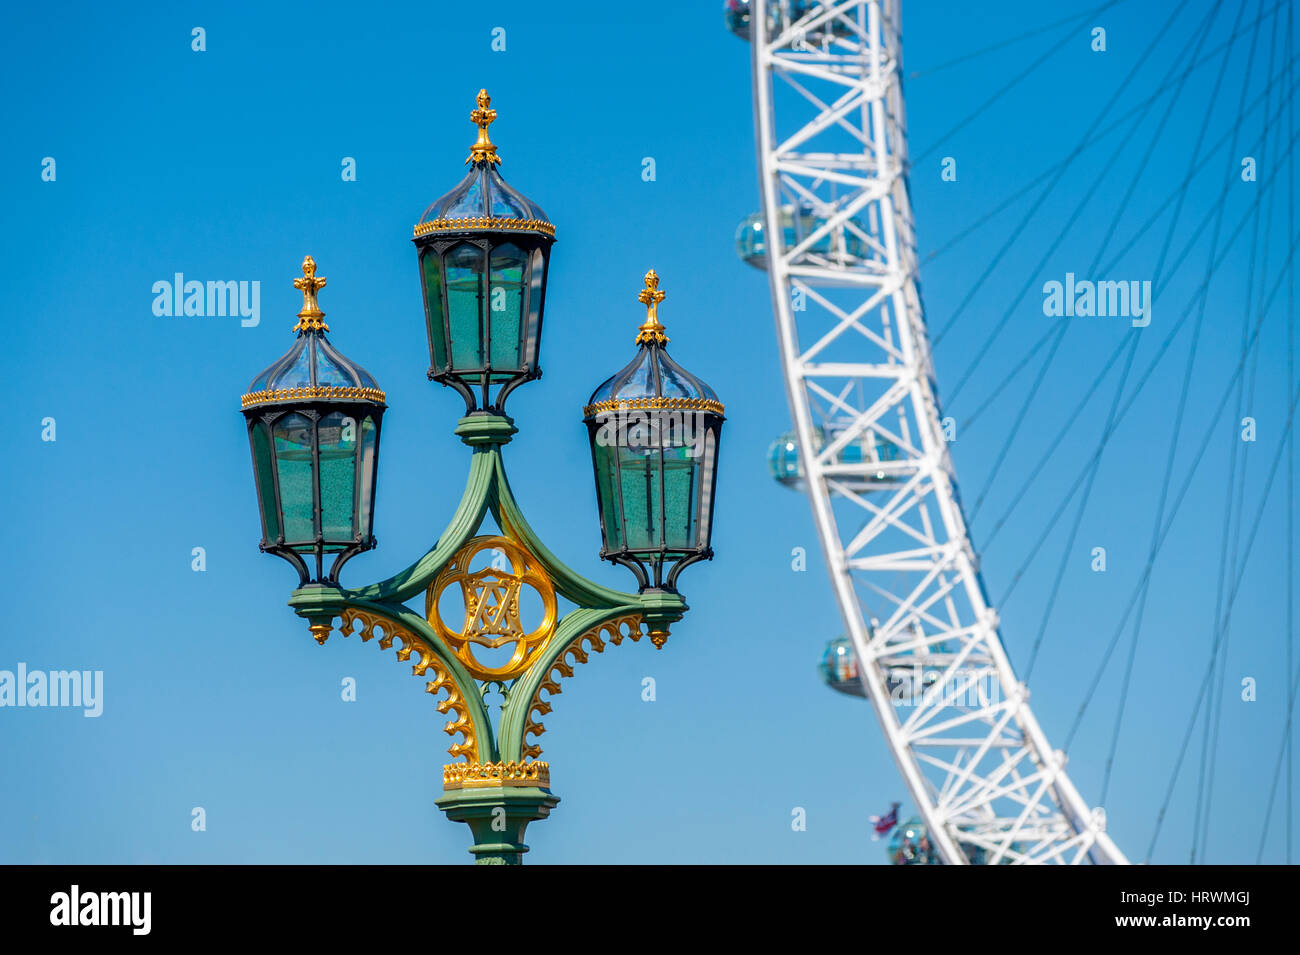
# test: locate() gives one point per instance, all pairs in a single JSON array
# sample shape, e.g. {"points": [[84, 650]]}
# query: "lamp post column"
{"points": [[497, 817]]}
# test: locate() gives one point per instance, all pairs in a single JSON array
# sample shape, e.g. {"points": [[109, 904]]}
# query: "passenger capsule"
{"points": [[867, 462], [842, 245], [785, 13], [839, 667], [910, 845]]}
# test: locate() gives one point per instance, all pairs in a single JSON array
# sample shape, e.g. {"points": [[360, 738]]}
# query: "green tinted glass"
{"points": [[369, 434], [680, 497], [607, 495], [338, 475], [638, 472], [506, 305], [465, 306], [432, 274], [293, 459], [265, 475], [534, 307]]}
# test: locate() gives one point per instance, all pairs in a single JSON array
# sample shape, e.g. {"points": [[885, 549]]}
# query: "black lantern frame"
{"points": [[314, 418], [654, 493], [268, 429], [492, 346], [645, 524], [484, 252]]}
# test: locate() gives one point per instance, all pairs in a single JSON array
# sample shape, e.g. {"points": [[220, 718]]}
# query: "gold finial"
{"points": [[651, 331], [309, 319], [483, 117]]}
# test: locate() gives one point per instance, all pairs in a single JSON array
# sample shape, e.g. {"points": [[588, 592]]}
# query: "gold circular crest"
{"points": [[491, 597]]}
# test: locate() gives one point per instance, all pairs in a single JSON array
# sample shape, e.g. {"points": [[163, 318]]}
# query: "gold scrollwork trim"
{"points": [[483, 775], [650, 404], [485, 222], [463, 724], [614, 630], [276, 395]]}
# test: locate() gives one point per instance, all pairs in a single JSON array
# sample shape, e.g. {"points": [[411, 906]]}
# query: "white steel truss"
{"points": [[841, 256]]}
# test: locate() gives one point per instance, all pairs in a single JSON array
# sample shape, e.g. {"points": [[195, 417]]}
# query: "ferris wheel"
{"points": [[836, 237]]}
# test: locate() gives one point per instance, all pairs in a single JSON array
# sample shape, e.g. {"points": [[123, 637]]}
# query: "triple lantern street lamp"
{"points": [[314, 419]]}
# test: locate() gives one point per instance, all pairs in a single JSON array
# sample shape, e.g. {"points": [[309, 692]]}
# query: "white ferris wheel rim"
{"points": [[968, 808]]}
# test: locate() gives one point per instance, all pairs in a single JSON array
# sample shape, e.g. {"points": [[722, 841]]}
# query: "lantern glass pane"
{"points": [[300, 370], [506, 305], [707, 462], [638, 472], [293, 459], [432, 275], [607, 494], [263, 471], [681, 491], [365, 500], [538, 270], [338, 475], [464, 265]]}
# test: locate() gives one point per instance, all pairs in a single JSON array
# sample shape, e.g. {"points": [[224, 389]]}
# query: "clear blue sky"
{"points": [[225, 165]]}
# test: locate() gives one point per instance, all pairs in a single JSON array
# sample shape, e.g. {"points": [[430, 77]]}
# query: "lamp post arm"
{"points": [[581, 631], [464, 524], [568, 582]]}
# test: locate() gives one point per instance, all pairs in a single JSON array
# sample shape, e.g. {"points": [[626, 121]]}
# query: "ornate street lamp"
{"points": [[313, 420], [654, 430], [313, 424], [484, 250]]}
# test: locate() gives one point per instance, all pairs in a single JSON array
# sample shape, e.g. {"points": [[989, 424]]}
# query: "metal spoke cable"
{"points": [[988, 103], [1051, 185], [1286, 748], [1283, 750], [1201, 290], [1290, 470], [1142, 381], [1205, 441], [1073, 19], [1171, 457], [1214, 712], [1134, 337], [1177, 194], [1106, 431], [1223, 561], [1087, 140], [1064, 230], [1250, 543], [1154, 139]]}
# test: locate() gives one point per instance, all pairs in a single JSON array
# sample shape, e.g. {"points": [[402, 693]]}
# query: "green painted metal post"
{"points": [[497, 817]]}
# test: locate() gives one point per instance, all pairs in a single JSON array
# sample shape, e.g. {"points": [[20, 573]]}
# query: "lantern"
{"points": [[313, 425], [654, 430], [484, 250]]}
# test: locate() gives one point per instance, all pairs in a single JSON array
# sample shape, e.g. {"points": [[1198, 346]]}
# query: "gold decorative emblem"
{"points": [[492, 613], [651, 330], [483, 117], [309, 319]]}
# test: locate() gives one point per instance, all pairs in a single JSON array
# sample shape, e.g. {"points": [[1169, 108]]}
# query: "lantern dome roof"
{"points": [[483, 200], [312, 369], [652, 379]]}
